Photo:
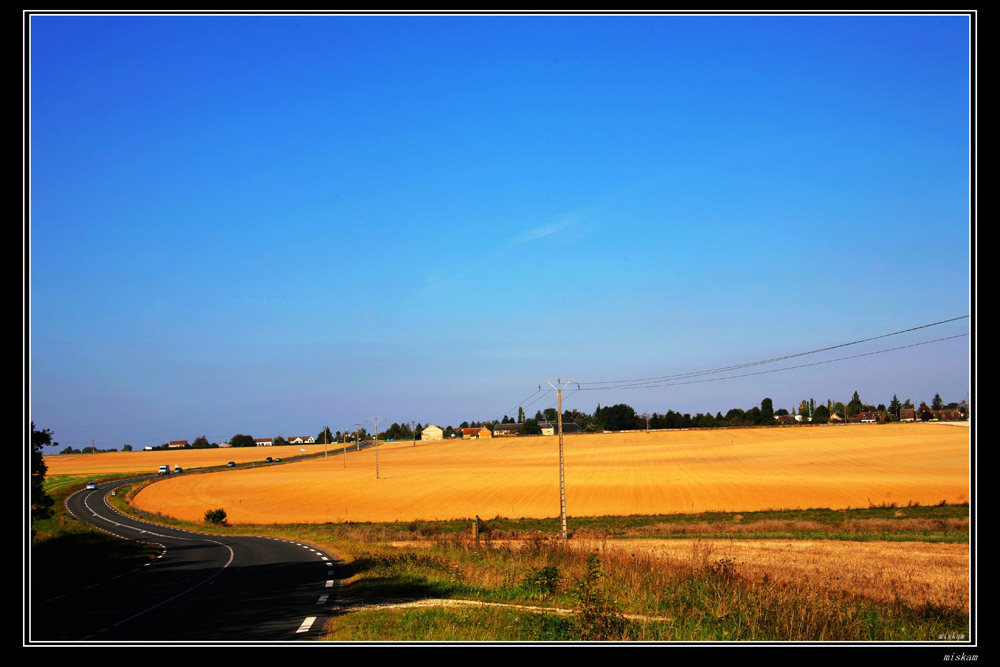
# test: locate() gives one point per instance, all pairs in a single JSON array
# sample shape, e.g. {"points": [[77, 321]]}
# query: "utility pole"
{"points": [[326, 429], [558, 385], [376, 420], [357, 436], [413, 430], [345, 447]]}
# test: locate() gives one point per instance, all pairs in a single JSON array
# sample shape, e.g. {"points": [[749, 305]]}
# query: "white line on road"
{"points": [[306, 624]]}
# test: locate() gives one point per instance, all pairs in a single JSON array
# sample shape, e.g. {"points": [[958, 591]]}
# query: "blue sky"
{"points": [[268, 224]]}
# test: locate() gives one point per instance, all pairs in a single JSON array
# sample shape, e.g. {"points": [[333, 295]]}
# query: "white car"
{"points": [[91, 486]]}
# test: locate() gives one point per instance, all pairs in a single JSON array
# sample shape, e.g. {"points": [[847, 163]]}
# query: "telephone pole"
{"points": [[376, 420], [558, 384]]}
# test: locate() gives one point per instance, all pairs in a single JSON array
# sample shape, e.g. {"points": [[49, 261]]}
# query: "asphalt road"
{"points": [[202, 588]]}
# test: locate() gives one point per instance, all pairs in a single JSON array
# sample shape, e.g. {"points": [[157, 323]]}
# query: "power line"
{"points": [[678, 376], [645, 385]]}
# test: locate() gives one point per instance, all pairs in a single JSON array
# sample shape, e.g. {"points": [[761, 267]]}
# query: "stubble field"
{"points": [[606, 474]]}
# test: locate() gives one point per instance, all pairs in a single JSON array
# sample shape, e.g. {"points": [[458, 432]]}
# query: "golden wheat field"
{"points": [[142, 462], [605, 474]]}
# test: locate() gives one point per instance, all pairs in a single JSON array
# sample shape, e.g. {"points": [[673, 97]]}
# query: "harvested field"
{"points": [[606, 474], [917, 573], [144, 462]]}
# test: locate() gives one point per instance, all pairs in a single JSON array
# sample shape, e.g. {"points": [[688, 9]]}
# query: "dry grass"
{"points": [[914, 573], [606, 474]]}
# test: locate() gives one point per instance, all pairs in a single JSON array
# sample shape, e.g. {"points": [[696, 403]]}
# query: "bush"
{"points": [[217, 517], [597, 617], [544, 579]]}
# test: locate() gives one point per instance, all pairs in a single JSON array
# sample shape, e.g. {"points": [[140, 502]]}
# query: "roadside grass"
{"points": [[541, 589], [614, 598], [67, 554]]}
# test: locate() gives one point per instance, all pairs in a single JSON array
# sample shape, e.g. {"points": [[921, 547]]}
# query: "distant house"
{"points": [[476, 432], [263, 442], [947, 415], [507, 430], [432, 432], [786, 419], [906, 414], [302, 440], [869, 417], [550, 428], [177, 443]]}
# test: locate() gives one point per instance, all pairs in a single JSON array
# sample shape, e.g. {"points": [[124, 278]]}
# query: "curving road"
{"points": [[213, 588]]}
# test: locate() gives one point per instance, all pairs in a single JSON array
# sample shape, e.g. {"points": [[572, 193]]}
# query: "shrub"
{"points": [[217, 517], [597, 618], [544, 579]]}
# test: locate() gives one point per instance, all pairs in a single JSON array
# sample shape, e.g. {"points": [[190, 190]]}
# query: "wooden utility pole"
{"points": [[376, 420], [558, 386]]}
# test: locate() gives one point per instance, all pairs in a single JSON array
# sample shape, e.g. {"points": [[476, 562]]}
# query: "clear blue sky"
{"points": [[265, 225]]}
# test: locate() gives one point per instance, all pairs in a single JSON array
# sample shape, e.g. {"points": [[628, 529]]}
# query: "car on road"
{"points": [[231, 464], [178, 469], [277, 459], [268, 460], [164, 470], [91, 486]]}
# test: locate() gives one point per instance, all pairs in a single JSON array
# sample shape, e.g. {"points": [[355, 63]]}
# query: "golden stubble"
{"points": [[606, 474]]}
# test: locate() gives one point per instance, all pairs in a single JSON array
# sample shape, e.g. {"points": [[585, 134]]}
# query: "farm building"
{"points": [[550, 428], [302, 440], [432, 432], [869, 417], [264, 442], [906, 414], [178, 443], [476, 433], [507, 430]]}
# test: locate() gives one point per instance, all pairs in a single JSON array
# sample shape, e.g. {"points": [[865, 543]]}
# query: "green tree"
{"points": [[531, 427], [618, 417], [520, 415], [201, 442], [325, 433], [41, 502], [936, 402], [821, 415], [855, 406], [766, 411], [241, 440], [894, 406]]}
